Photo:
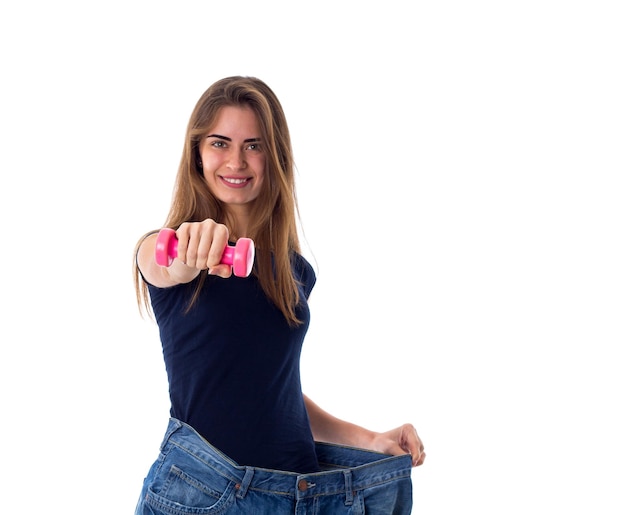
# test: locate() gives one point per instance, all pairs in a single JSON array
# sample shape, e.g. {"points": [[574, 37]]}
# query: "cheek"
{"points": [[208, 159], [259, 166]]}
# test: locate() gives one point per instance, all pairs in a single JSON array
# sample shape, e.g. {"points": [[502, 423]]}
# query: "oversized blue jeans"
{"points": [[192, 477]]}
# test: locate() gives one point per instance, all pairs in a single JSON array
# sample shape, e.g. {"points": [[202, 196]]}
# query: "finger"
{"points": [[418, 460], [418, 454], [182, 235], [413, 444], [196, 251], [215, 246], [224, 271]]}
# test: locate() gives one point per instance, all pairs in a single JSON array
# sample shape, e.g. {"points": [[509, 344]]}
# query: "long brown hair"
{"points": [[274, 212]]}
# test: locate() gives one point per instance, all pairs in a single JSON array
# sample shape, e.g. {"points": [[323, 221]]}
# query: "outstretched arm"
{"points": [[327, 428]]}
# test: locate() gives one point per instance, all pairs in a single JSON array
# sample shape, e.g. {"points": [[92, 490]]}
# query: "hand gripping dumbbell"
{"points": [[240, 256]]}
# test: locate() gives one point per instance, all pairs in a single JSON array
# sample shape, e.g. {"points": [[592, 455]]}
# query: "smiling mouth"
{"points": [[234, 181]]}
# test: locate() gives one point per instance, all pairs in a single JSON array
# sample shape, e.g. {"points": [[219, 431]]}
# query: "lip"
{"points": [[235, 182]]}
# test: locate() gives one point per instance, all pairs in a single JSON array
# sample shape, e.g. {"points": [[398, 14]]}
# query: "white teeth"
{"points": [[235, 181]]}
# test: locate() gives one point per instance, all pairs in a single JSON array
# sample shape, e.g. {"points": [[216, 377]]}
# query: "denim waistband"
{"points": [[344, 469]]}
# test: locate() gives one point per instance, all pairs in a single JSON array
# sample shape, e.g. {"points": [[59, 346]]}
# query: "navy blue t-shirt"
{"points": [[233, 366]]}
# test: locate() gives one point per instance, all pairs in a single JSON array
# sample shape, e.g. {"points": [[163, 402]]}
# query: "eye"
{"points": [[254, 147], [218, 144]]}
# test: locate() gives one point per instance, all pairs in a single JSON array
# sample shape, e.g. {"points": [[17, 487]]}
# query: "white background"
{"points": [[460, 170]]}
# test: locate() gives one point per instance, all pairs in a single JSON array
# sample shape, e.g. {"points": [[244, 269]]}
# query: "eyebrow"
{"points": [[225, 138]]}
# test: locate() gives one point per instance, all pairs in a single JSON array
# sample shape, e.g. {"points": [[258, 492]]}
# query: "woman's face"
{"points": [[233, 158]]}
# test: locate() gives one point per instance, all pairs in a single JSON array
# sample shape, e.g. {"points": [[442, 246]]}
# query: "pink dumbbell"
{"points": [[240, 256]]}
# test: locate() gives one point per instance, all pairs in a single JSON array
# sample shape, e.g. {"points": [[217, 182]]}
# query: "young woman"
{"points": [[242, 437]]}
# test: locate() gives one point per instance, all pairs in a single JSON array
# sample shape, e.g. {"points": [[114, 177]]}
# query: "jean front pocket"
{"points": [[183, 494]]}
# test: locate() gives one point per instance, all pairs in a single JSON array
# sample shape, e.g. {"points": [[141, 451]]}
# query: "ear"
{"points": [[198, 161]]}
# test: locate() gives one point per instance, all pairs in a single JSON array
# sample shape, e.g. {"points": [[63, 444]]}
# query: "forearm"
{"points": [[330, 429]]}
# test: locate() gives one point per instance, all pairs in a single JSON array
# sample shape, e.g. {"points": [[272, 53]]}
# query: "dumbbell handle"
{"points": [[240, 256]]}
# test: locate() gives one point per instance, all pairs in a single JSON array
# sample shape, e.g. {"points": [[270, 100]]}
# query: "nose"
{"points": [[236, 159]]}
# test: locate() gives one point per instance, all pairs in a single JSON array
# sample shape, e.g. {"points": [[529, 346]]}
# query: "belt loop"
{"points": [[245, 483], [347, 476], [172, 426]]}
